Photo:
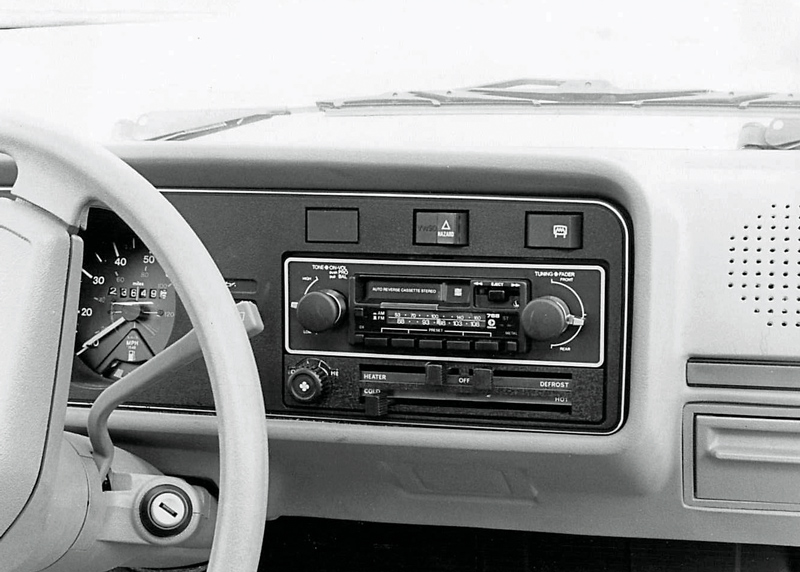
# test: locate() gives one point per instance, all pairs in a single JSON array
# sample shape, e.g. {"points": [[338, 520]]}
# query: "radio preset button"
{"points": [[402, 343], [430, 344], [487, 346], [458, 345], [376, 342]]}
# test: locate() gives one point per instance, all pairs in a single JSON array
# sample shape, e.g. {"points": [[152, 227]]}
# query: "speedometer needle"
{"points": [[101, 334]]}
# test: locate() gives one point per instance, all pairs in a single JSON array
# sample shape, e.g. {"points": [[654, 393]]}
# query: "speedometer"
{"points": [[127, 303]]}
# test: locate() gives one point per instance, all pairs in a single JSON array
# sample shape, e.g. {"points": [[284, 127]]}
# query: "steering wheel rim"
{"points": [[64, 176]]}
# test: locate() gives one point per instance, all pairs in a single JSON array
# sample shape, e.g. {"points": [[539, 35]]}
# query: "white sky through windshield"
{"points": [[289, 53]]}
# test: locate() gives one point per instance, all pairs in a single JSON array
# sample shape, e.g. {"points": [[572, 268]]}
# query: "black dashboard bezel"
{"points": [[232, 223]]}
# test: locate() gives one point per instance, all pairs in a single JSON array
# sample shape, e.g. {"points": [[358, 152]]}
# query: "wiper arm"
{"points": [[195, 132], [190, 124], [601, 92], [781, 134]]}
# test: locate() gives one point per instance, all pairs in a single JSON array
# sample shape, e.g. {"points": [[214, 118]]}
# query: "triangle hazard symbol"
{"points": [[446, 225]]}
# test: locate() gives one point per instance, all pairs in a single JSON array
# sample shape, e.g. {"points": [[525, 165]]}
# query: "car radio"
{"points": [[493, 313]]}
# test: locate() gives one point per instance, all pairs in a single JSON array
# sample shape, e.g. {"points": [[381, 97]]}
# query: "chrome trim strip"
{"points": [[382, 423]]}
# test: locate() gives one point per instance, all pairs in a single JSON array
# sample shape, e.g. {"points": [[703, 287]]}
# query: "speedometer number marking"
{"points": [[127, 303]]}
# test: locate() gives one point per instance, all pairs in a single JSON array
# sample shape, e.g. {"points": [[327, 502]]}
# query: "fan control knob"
{"points": [[308, 384], [321, 310]]}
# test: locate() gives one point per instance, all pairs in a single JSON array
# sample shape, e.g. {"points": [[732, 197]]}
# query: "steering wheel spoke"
{"points": [[59, 177]]}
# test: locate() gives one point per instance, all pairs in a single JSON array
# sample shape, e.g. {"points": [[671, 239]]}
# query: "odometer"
{"points": [[127, 303]]}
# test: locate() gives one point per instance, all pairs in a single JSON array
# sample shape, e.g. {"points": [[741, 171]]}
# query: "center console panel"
{"points": [[531, 337], [459, 311]]}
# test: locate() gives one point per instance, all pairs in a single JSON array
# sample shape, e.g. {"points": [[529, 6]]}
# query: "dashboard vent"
{"points": [[764, 265]]}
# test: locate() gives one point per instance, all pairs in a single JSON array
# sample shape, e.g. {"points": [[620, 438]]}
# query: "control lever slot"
{"points": [[478, 386]]}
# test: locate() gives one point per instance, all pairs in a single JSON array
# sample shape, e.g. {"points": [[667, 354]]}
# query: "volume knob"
{"points": [[321, 310], [545, 318]]}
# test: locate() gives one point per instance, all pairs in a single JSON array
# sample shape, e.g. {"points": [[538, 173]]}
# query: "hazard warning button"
{"points": [[441, 228]]}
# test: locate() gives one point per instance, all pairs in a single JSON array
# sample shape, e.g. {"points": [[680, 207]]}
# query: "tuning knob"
{"points": [[546, 318], [321, 310], [308, 384]]}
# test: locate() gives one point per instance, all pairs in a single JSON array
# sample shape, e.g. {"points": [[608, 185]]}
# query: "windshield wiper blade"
{"points": [[572, 92], [711, 99], [553, 92], [183, 125], [536, 92], [469, 97], [425, 98], [776, 100], [600, 92]]}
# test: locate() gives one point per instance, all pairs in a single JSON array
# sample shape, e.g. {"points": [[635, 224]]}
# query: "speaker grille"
{"points": [[764, 265]]}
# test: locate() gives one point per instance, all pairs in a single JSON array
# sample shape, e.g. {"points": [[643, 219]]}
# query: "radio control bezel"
{"points": [[469, 271]]}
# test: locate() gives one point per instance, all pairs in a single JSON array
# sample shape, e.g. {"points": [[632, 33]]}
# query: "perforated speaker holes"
{"points": [[764, 265]]}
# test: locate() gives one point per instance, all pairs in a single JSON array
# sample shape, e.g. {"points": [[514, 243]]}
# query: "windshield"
{"points": [[139, 58]]}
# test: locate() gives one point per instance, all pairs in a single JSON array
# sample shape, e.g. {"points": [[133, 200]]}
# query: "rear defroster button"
{"points": [[554, 230]]}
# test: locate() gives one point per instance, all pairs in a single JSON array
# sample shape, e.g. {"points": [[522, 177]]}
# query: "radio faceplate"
{"points": [[525, 314]]}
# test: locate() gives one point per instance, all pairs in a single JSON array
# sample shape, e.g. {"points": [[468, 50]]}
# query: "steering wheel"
{"points": [[59, 178]]}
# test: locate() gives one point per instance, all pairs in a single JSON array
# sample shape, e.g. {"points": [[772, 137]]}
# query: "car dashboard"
{"points": [[588, 342]]}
